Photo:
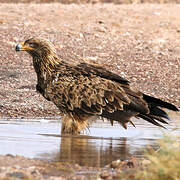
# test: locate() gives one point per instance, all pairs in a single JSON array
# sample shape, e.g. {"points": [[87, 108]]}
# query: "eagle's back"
{"points": [[87, 89]]}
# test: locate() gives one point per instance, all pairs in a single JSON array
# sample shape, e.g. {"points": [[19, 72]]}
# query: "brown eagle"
{"points": [[84, 91]]}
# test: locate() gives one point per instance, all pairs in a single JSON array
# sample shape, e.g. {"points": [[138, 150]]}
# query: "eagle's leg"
{"points": [[73, 124]]}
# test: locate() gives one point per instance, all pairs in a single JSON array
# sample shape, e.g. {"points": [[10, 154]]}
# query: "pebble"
{"points": [[116, 163], [104, 174]]}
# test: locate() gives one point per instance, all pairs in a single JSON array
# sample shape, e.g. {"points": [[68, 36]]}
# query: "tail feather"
{"points": [[160, 103], [159, 119], [148, 108], [156, 114], [150, 119], [156, 111]]}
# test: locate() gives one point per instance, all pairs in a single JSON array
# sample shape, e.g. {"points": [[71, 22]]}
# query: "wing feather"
{"points": [[95, 91], [101, 72]]}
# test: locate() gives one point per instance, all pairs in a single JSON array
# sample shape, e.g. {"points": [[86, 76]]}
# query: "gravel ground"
{"points": [[138, 42], [17, 167]]}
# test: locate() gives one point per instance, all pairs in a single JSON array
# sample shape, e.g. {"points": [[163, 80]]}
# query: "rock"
{"points": [[104, 174], [101, 29], [10, 155], [115, 164], [130, 164]]}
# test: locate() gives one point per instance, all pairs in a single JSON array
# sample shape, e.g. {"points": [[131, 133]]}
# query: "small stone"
{"points": [[81, 35], [119, 53], [100, 22], [115, 164], [104, 174], [35, 172], [101, 29], [10, 155], [130, 164]]}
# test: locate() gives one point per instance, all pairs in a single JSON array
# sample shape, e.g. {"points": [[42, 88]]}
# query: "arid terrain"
{"points": [[140, 42]]}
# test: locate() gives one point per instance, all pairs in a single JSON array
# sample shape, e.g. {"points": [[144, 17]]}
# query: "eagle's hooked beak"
{"points": [[18, 47], [22, 47]]}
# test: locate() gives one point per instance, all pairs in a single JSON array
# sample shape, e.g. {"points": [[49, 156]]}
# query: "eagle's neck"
{"points": [[44, 67]]}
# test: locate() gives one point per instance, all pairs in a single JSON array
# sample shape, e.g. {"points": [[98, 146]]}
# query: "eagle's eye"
{"points": [[33, 45]]}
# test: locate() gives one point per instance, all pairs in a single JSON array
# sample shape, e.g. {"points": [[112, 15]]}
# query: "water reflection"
{"points": [[89, 152], [94, 151]]}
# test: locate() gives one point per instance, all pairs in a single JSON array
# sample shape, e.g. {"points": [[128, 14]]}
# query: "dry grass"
{"points": [[164, 163]]}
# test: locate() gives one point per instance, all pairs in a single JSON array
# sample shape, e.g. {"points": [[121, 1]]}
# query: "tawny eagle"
{"points": [[83, 91]]}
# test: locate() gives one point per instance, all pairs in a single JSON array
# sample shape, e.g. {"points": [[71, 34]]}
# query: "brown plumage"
{"points": [[84, 91]]}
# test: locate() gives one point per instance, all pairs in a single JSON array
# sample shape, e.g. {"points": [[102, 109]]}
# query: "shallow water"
{"points": [[40, 138]]}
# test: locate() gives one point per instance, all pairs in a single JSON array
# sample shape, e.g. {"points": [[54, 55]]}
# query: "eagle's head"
{"points": [[37, 47]]}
